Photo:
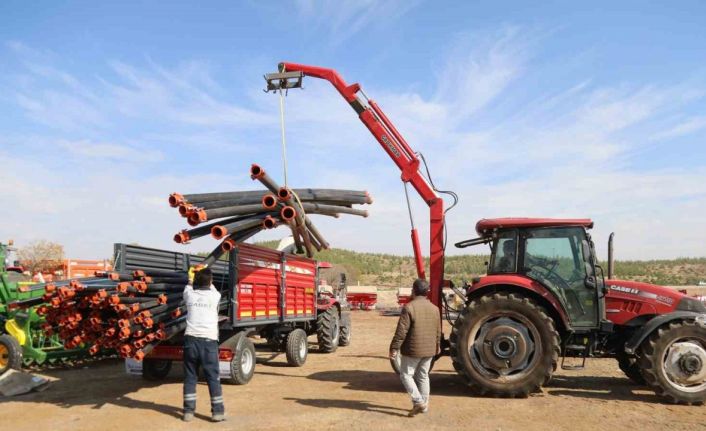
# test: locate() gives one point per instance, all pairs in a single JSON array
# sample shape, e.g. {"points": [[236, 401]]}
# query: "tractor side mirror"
{"points": [[587, 254]]}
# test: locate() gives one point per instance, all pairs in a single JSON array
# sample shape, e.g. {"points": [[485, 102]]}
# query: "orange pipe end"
{"points": [[139, 273], [139, 355], [284, 194], [228, 245], [175, 199], [269, 201], [49, 288], [162, 299], [148, 322], [269, 222], [256, 171], [182, 237], [219, 231], [176, 313], [288, 213], [124, 333]]}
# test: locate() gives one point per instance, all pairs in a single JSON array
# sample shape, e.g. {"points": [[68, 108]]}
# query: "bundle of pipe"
{"points": [[127, 312], [237, 216]]}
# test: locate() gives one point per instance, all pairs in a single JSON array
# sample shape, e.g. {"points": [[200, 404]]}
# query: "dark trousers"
{"points": [[201, 352]]}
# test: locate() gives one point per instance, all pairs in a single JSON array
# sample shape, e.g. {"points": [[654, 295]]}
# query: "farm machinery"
{"points": [[545, 298], [22, 340]]}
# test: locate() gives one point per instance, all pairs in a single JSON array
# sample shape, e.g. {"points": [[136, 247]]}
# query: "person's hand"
{"points": [[438, 349], [393, 354]]}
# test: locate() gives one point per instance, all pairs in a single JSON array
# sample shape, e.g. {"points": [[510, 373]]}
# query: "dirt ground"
{"points": [[353, 388]]}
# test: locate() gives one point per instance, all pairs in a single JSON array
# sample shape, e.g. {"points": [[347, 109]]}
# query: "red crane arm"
{"points": [[406, 160]]}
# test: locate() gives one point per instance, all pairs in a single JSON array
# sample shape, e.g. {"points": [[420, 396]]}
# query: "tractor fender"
{"points": [[639, 336], [14, 329], [519, 284], [324, 304]]}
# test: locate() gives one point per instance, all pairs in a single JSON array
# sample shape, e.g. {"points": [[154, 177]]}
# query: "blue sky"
{"points": [[565, 110]]}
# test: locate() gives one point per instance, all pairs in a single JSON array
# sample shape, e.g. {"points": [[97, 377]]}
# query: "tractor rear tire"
{"points": [[327, 330], [242, 366], [659, 375], [508, 317], [297, 348], [344, 338], [629, 366], [156, 369], [10, 353]]}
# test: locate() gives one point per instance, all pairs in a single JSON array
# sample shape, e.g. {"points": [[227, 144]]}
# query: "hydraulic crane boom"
{"points": [[290, 76]]}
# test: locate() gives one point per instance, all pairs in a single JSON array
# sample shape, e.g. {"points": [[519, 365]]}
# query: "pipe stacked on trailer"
{"points": [[238, 215], [127, 312]]}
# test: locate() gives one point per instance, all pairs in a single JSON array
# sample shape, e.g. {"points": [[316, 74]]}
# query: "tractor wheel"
{"points": [[673, 362], [345, 334], [10, 353], [156, 369], [629, 366], [504, 345], [242, 366], [297, 348], [327, 330]]}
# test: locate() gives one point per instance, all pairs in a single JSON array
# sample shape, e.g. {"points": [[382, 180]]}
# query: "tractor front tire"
{"points": [[156, 369], [629, 366], [327, 330], [344, 338], [297, 348], [242, 366], [10, 353], [673, 362], [504, 345]]}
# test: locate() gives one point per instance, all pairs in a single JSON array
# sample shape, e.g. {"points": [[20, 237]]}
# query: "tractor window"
{"points": [[504, 256], [554, 258]]}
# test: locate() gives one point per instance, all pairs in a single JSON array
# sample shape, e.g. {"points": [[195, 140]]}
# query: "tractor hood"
{"points": [[659, 296]]}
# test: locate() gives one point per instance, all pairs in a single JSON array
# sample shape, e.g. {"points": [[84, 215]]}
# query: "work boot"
{"points": [[418, 408], [188, 416], [218, 417]]}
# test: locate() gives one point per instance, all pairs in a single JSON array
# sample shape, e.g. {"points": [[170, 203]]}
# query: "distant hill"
{"points": [[391, 270]]}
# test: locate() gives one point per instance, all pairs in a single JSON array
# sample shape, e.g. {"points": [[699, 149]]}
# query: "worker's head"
{"points": [[420, 287], [203, 278], [509, 247]]}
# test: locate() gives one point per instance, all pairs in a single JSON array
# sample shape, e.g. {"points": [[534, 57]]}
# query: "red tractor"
{"points": [[544, 297]]}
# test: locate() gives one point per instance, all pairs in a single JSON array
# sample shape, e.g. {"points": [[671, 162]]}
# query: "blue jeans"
{"points": [[201, 352]]}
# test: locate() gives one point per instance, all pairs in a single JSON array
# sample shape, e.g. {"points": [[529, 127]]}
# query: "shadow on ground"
{"points": [[350, 405]]}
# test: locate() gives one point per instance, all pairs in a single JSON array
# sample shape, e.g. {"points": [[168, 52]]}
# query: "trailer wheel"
{"points": [[504, 345], [156, 369], [673, 362], [629, 366], [345, 334], [297, 348], [10, 353], [327, 330], [242, 366]]}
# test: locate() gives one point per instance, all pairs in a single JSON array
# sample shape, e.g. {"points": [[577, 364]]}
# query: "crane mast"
{"points": [[290, 76]]}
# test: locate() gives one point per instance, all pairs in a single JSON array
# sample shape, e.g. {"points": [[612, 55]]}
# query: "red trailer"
{"points": [[271, 295]]}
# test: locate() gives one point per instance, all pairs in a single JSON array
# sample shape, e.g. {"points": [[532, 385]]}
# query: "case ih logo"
{"points": [[630, 290], [390, 145]]}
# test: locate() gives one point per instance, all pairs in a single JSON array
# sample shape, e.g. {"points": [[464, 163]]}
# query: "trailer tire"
{"points": [[499, 328], [656, 352], [242, 366], [327, 330], [346, 327], [297, 348], [629, 366], [156, 369]]}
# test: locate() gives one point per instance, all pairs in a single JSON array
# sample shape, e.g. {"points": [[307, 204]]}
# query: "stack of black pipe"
{"points": [[236, 216]]}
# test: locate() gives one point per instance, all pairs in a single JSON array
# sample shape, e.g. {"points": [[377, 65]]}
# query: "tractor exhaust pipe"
{"points": [[611, 261]]}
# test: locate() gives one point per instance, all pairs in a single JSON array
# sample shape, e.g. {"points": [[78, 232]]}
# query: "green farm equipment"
{"points": [[22, 339]]}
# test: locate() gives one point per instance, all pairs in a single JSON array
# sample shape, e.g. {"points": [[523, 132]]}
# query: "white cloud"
{"points": [[686, 127], [93, 150]]}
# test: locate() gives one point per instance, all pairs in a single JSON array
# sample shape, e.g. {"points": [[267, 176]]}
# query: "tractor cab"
{"points": [[554, 255]]}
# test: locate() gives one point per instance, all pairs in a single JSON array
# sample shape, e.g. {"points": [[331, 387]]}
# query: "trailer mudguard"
{"points": [[641, 334]]}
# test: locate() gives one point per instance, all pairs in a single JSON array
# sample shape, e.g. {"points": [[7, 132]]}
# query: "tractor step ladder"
{"points": [[577, 344]]}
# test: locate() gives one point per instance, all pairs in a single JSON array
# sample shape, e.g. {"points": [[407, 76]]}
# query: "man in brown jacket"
{"points": [[417, 339]]}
